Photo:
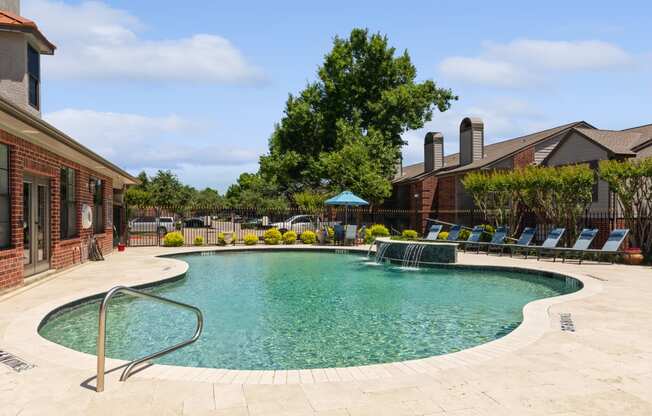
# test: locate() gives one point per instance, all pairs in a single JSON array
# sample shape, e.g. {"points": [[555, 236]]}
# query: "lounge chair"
{"points": [[527, 235], [351, 234], [497, 238], [610, 248], [338, 233], [454, 233], [434, 232], [551, 241], [581, 244], [474, 237]]}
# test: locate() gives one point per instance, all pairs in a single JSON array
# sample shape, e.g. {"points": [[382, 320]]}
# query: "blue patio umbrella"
{"points": [[347, 199]]}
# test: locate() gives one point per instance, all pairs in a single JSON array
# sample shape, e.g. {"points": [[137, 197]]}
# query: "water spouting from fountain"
{"points": [[380, 252], [412, 255]]}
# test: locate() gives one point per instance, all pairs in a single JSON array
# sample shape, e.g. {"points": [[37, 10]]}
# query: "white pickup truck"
{"points": [[159, 225], [300, 223]]}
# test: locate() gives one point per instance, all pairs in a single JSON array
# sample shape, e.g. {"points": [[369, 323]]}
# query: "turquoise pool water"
{"points": [[291, 310]]}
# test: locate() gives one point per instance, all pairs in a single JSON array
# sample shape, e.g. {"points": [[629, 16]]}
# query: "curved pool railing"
{"points": [[101, 336]]}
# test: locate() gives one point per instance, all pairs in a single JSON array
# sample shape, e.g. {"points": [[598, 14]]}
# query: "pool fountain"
{"points": [[415, 253]]}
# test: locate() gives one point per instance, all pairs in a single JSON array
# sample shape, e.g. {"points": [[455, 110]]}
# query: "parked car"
{"points": [[297, 223], [159, 225], [194, 223]]}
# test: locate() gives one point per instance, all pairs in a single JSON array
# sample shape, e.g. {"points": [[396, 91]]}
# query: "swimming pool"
{"points": [[294, 309]]}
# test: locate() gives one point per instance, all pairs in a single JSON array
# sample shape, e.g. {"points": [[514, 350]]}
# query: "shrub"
{"points": [[289, 237], [442, 235], [464, 234], [410, 234], [199, 241], [251, 239], [375, 231], [272, 236], [308, 237], [221, 239], [173, 239], [488, 233]]}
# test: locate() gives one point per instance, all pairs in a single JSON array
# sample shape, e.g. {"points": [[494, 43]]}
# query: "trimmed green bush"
{"points": [[221, 239], [251, 239], [173, 239], [199, 241], [488, 233], [289, 237], [442, 235], [375, 231], [272, 237], [410, 234], [308, 237]]}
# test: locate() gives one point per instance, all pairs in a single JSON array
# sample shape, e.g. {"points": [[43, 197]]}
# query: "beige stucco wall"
{"points": [[13, 70], [646, 152], [577, 149], [12, 6]]}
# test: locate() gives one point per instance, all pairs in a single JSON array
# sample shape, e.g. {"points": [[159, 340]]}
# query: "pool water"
{"points": [[292, 310]]}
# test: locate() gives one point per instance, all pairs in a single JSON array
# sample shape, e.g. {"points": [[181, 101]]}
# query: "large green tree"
{"points": [[365, 98], [253, 191]]}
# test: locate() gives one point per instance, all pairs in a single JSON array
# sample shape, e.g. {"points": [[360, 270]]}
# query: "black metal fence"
{"points": [[604, 221], [148, 226]]}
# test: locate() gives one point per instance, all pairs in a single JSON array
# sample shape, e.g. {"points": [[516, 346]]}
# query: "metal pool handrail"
{"points": [[101, 336]]}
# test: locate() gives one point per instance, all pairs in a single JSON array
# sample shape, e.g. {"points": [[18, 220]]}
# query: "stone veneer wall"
{"points": [[26, 157], [432, 252]]}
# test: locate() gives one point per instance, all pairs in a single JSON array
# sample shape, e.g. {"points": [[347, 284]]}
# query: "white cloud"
{"points": [[138, 142], [96, 41], [483, 71], [525, 61], [561, 55]]}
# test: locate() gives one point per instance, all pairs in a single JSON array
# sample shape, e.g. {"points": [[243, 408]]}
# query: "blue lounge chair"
{"points": [[498, 238], [581, 244], [454, 233], [523, 241], [610, 248], [434, 232], [338, 233], [550, 242], [474, 237]]}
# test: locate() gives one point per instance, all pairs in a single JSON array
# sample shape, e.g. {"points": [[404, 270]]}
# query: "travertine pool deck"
{"points": [[603, 368]]}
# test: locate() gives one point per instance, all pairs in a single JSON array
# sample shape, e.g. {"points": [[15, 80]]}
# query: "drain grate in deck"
{"points": [[14, 362], [566, 322]]}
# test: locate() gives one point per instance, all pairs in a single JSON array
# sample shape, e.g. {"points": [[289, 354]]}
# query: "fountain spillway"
{"points": [[415, 253]]}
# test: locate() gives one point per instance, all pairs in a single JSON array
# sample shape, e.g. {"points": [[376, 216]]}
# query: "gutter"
{"points": [[61, 137]]}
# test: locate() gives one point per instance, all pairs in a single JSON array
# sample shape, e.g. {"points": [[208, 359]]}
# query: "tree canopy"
{"points": [[344, 129], [164, 189]]}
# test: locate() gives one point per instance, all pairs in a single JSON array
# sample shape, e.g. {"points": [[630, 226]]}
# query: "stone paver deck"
{"points": [[604, 368]]}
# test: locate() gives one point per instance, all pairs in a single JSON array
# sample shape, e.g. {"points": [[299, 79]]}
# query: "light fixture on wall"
{"points": [[91, 186]]}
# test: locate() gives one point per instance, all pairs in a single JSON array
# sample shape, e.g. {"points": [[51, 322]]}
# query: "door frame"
{"points": [[36, 182]]}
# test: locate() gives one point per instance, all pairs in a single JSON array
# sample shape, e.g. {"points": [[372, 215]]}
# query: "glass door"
{"points": [[27, 224], [36, 224]]}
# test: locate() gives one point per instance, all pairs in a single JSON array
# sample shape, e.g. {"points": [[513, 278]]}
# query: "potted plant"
{"points": [[633, 256]]}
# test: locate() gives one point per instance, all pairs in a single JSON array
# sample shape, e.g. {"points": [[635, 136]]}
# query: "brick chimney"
{"points": [[433, 149], [12, 6], [471, 140]]}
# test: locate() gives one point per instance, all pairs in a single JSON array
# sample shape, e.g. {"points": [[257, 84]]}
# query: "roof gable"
{"points": [[494, 153]]}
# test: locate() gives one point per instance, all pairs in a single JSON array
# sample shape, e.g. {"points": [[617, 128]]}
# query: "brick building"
{"points": [[48, 181], [434, 188]]}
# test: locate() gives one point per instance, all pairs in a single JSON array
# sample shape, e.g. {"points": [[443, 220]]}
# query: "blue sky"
{"points": [[197, 86]]}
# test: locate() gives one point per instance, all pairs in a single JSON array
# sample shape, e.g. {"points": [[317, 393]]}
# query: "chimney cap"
{"points": [[432, 136], [469, 122]]}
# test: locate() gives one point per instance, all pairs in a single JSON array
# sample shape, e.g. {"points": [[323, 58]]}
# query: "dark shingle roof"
{"points": [[618, 142], [493, 152]]}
